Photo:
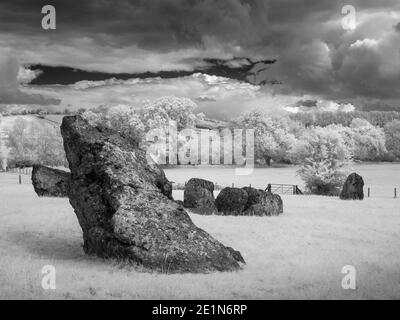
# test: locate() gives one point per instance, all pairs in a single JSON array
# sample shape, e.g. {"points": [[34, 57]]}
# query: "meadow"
{"points": [[380, 177], [298, 255]]}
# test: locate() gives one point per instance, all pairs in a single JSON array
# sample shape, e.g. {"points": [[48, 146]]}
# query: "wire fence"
{"points": [[283, 189], [289, 189], [25, 171]]}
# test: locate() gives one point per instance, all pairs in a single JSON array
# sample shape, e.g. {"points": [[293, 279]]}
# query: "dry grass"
{"points": [[297, 255]]}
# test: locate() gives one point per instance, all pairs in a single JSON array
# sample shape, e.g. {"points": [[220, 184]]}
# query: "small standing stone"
{"points": [[49, 182], [231, 201], [248, 201], [262, 203], [199, 196], [353, 188]]}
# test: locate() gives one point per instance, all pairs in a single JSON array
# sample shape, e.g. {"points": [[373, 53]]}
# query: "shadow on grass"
{"points": [[49, 246]]}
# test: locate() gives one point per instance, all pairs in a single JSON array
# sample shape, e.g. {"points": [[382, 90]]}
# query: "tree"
{"points": [[33, 142], [158, 113], [369, 141], [324, 169], [138, 123], [272, 137], [325, 118], [2, 149], [299, 151], [392, 134], [125, 119], [346, 133]]}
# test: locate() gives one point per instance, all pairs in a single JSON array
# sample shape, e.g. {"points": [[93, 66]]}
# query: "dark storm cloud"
{"points": [[169, 24], [315, 54], [397, 27], [173, 24], [150, 24]]}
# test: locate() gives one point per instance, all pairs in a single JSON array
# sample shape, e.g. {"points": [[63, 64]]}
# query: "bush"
{"points": [[392, 135], [324, 170], [369, 141]]}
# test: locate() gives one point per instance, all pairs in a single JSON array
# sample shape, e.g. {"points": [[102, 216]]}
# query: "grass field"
{"points": [[381, 178], [297, 255]]}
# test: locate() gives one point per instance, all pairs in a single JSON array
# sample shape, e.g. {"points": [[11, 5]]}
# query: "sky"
{"points": [[319, 63]]}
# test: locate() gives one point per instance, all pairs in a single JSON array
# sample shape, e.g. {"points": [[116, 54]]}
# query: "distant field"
{"points": [[381, 178], [297, 255], [8, 121]]}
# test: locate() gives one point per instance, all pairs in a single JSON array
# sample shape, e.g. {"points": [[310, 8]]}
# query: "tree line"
{"points": [[322, 143], [325, 118]]}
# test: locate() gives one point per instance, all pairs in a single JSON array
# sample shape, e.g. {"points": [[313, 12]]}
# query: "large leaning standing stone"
{"points": [[125, 208], [353, 188], [49, 182], [199, 196]]}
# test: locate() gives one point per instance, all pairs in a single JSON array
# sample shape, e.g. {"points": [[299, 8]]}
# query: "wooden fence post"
{"points": [[369, 193], [395, 192], [19, 179]]}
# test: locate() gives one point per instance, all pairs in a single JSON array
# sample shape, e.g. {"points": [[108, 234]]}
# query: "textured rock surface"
{"points": [[180, 202], [262, 203], [231, 201], [124, 206], [49, 182], [278, 201], [254, 196], [248, 202], [199, 196], [353, 188]]}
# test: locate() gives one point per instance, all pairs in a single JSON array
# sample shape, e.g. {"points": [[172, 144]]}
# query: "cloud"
{"points": [[26, 75], [139, 35], [10, 92], [305, 67], [370, 68], [319, 105], [218, 97], [205, 99], [351, 67], [316, 56]]}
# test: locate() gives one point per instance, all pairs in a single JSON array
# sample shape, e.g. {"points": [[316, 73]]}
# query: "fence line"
{"points": [[287, 189], [26, 171], [279, 188], [273, 188], [283, 188]]}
